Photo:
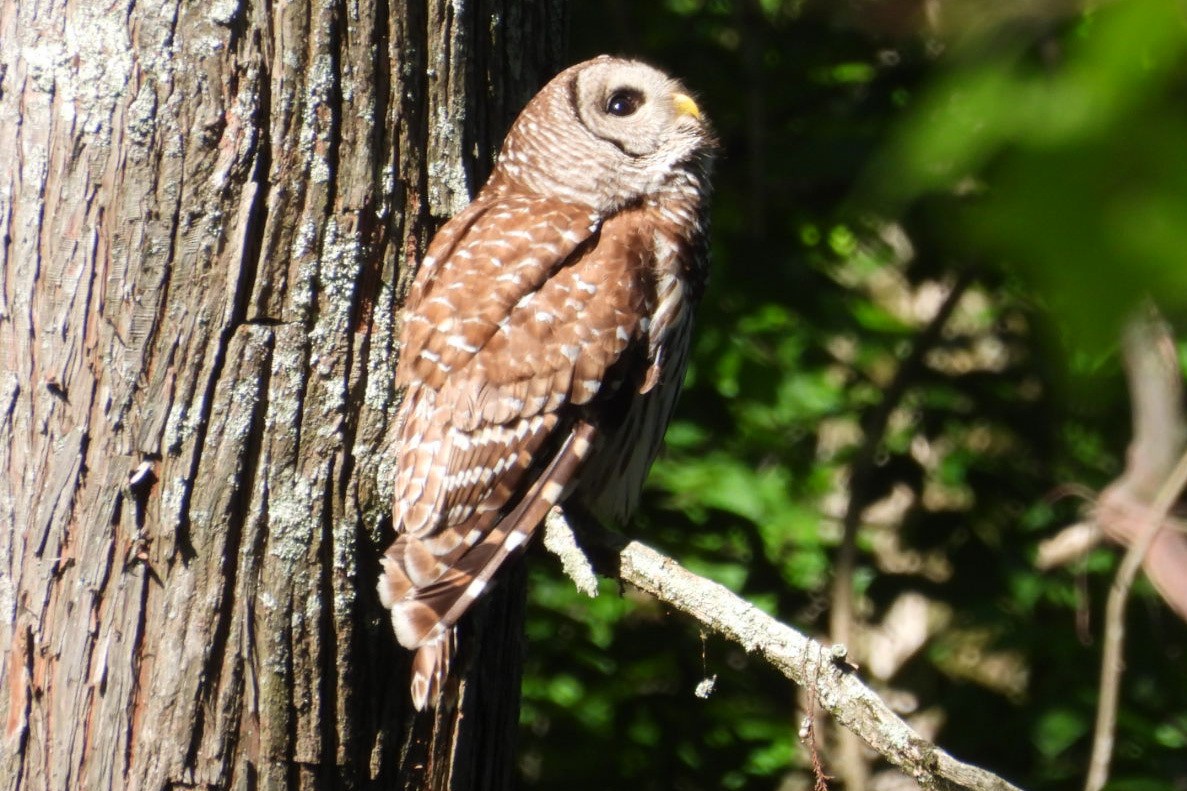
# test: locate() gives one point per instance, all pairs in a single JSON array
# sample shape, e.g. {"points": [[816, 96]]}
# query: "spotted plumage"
{"points": [[544, 340]]}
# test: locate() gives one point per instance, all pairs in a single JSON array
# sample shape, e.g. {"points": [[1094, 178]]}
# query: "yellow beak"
{"points": [[685, 105]]}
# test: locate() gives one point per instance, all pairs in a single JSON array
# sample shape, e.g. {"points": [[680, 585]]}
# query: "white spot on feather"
{"points": [[552, 492], [459, 342]]}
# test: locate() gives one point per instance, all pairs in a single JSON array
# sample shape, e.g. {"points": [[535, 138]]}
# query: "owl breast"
{"points": [[628, 443]]}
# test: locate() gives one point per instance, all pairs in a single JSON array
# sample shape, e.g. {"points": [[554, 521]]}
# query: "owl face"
{"points": [[636, 108], [607, 132]]}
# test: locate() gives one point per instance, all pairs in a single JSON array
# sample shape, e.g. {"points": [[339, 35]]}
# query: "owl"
{"points": [[544, 340]]}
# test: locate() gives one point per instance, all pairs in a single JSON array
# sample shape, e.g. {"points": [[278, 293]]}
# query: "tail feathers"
{"points": [[428, 595], [515, 529], [430, 669]]}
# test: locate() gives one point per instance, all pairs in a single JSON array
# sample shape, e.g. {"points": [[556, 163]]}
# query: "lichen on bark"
{"points": [[212, 212]]}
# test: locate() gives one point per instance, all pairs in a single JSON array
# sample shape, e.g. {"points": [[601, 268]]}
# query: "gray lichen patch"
{"points": [[314, 137], [345, 562], [184, 418], [303, 289], [382, 367], [140, 119], [224, 12], [42, 62], [100, 45], [290, 523], [286, 387], [338, 275]]}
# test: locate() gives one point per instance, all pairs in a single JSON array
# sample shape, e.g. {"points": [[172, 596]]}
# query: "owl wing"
{"points": [[514, 335]]}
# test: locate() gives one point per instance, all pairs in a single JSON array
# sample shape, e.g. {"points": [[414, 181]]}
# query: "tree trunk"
{"points": [[209, 213]]}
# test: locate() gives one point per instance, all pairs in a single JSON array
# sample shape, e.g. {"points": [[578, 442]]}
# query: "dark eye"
{"points": [[624, 102]]}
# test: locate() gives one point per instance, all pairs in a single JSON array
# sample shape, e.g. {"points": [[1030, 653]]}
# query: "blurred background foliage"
{"points": [[931, 217]]}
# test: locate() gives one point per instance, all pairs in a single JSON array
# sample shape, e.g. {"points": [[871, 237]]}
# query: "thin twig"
{"points": [[821, 670], [560, 540], [1155, 381], [1110, 677], [1068, 545]]}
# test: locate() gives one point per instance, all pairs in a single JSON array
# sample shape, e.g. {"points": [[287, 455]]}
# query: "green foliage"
{"points": [[872, 163], [1074, 162]]}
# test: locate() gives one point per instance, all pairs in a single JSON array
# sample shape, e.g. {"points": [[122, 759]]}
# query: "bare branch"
{"points": [[1124, 510], [1106, 715], [820, 669], [1134, 509], [1156, 395], [1125, 518], [560, 540], [1068, 545]]}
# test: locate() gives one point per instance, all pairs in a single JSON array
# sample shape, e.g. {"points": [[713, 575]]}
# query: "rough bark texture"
{"points": [[208, 215]]}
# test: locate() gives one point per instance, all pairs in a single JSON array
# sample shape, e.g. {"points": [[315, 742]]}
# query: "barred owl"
{"points": [[544, 339]]}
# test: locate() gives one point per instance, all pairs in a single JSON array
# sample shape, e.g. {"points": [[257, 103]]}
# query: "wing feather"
{"points": [[508, 348]]}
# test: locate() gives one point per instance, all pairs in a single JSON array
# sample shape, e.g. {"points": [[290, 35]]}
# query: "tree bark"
{"points": [[209, 213]]}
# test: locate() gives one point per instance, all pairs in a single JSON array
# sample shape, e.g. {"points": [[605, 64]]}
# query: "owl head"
{"points": [[607, 133]]}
